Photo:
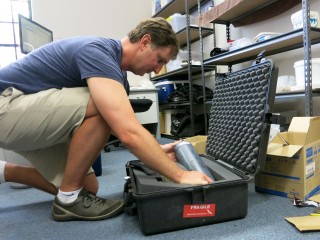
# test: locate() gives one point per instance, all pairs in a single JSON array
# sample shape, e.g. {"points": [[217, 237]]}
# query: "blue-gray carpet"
{"points": [[26, 214]]}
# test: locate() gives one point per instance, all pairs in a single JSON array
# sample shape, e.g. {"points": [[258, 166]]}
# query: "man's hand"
{"points": [[169, 150], [188, 177], [194, 177]]}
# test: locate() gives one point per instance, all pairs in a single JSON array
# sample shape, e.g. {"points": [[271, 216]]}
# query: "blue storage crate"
{"points": [[166, 87]]}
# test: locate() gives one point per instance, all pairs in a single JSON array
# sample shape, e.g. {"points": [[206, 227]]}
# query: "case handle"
{"points": [[140, 165], [261, 57]]}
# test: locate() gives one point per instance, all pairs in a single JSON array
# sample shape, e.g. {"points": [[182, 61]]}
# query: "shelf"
{"points": [[284, 42], [174, 105], [183, 72], [229, 12], [170, 105], [194, 35], [298, 94], [168, 135], [177, 6]]}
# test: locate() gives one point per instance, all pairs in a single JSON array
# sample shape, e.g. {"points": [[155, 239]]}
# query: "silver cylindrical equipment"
{"points": [[190, 159]]}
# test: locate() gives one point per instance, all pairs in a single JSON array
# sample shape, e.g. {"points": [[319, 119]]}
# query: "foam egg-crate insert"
{"points": [[237, 116]]}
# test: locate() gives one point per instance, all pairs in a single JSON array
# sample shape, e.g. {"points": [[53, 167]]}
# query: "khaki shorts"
{"points": [[39, 126]]}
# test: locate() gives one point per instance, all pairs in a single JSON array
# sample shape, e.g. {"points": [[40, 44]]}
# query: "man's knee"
{"points": [[92, 109], [94, 115]]}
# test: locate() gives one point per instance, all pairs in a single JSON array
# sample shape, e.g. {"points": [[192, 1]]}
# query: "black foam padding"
{"points": [[238, 132], [152, 183]]}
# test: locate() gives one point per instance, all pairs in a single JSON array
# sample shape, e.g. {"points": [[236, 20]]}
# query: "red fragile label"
{"points": [[199, 210]]}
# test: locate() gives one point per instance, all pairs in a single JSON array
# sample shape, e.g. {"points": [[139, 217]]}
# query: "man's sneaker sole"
{"points": [[61, 214]]}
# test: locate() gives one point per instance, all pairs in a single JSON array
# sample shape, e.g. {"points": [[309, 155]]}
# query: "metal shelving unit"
{"points": [[178, 6], [300, 38], [186, 37], [194, 35], [281, 43], [182, 72]]}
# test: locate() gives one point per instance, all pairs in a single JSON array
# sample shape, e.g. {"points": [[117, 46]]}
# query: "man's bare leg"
{"points": [[72, 202], [30, 176], [89, 139], [85, 145]]}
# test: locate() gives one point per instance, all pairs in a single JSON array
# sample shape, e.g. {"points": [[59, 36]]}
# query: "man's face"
{"points": [[151, 59]]}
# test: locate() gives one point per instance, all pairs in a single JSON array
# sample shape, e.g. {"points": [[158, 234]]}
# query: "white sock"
{"points": [[68, 197], [2, 166]]}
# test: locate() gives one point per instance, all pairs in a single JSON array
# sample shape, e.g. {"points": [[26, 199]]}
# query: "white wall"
{"points": [[106, 18]]}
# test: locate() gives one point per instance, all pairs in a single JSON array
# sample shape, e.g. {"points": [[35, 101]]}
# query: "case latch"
{"points": [[130, 206], [261, 57]]}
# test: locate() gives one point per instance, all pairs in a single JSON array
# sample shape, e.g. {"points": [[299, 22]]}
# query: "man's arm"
{"points": [[114, 106]]}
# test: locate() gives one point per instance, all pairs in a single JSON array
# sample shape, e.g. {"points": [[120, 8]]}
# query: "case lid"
{"points": [[239, 122]]}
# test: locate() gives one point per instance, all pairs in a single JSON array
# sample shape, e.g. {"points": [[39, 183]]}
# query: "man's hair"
{"points": [[161, 32]]}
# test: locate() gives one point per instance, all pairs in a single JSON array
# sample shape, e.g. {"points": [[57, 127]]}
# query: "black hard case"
{"points": [[239, 126]]}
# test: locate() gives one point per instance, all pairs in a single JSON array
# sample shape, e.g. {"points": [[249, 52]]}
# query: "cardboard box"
{"points": [[162, 122], [199, 143], [292, 164], [162, 71]]}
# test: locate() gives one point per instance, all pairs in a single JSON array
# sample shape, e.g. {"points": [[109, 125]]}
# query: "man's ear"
{"points": [[145, 40]]}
